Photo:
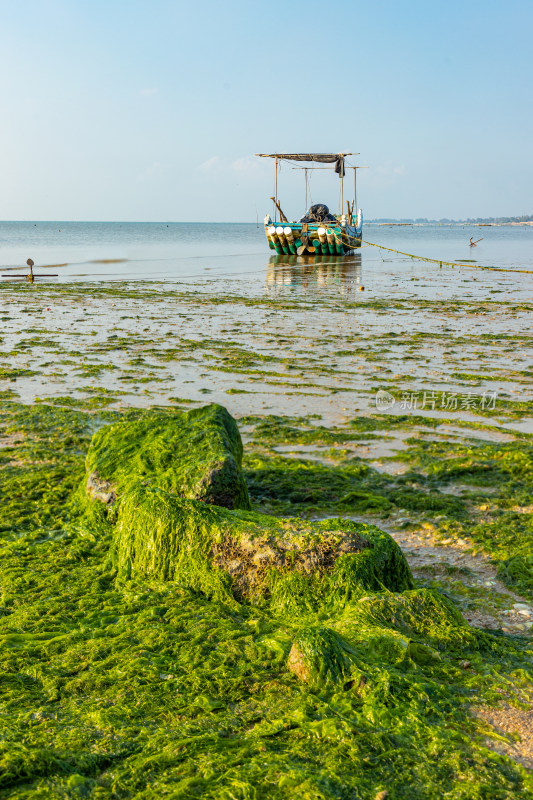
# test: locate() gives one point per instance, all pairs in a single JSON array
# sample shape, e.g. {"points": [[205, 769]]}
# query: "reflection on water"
{"points": [[340, 274]]}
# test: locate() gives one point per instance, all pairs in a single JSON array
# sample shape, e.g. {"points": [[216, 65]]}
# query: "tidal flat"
{"points": [[411, 414]]}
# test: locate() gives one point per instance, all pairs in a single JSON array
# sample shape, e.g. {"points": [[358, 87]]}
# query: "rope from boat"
{"points": [[447, 263]]}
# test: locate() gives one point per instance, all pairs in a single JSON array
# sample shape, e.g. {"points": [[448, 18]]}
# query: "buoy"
{"points": [[283, 242], [273, 237], [330, 236], [289, 236]]}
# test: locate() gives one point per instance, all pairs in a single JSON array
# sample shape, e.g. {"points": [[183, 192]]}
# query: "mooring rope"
{"points": [[448, 263]]}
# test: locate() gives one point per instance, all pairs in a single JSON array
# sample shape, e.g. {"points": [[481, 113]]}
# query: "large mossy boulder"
{"points": [[294, 564], [194, 454]]}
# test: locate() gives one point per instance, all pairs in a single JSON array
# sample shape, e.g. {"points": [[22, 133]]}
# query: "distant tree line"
{"points": [[525, 218]]}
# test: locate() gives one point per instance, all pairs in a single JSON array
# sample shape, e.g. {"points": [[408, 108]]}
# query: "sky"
{"points": [[153, 111]]}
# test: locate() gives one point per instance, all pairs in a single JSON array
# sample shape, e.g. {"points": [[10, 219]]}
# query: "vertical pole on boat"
{"points": [[305, 175], [355, 186], [276, 194]]}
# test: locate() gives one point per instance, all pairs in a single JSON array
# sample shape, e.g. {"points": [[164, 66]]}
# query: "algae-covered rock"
{"points": [[195, 454], [419, 613], [322, 655], [319, 655], [375, 633], [295, 564], [407, 629]]}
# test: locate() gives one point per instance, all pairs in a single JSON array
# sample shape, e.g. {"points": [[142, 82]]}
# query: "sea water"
{"points": [[236, 255]]}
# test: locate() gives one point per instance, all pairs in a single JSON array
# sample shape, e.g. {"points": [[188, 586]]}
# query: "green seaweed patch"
{"points": [[8, 394], [161, 691], [384, 632], [45, 463], [420, 613], [517, 571], [12, 373], [89, 403], [287, 485], [275, 430], [320, 657]]}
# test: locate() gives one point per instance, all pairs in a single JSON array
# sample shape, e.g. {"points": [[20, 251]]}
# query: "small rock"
{"points": [[100, 489], [296, 664]]}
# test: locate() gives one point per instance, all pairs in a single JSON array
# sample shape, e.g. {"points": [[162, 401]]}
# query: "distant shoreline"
{"points": [[489, 221], [452, 222]]}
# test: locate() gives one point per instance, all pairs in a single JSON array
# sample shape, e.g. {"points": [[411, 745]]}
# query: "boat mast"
{"points": [[276, 193], [355, 186]]}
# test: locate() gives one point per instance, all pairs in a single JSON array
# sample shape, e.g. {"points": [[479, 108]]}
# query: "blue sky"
{"points": [[134, 110]]}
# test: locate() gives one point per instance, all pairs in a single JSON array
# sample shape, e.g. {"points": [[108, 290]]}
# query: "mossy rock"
{"points": [[195, 454], [420, 613], [382, 630], [294, 564], [319, 656]]}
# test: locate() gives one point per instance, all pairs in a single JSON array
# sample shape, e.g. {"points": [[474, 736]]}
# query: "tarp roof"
{"points": [[324, 158]]}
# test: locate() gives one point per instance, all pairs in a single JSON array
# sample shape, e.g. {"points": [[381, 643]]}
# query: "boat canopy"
{"points": [[324, 158]]}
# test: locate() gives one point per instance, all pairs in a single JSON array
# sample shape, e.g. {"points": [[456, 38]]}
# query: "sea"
{"points": [[235, 256]]}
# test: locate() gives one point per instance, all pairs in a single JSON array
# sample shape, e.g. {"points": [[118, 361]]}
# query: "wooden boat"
{"points": [[318, 232]]}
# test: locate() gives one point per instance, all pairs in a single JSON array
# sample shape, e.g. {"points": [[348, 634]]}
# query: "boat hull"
{"points": [[299, 238]]}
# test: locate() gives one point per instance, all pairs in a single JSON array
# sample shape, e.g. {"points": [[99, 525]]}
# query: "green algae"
{"points": [[12, 373], [41, 469], [517, 570], [423, 613], [94, 402], [492, 511], [231, 555], [309, 487], [194, 454], [280, 430], [303, 359], [501, 523], [148, 689]]}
